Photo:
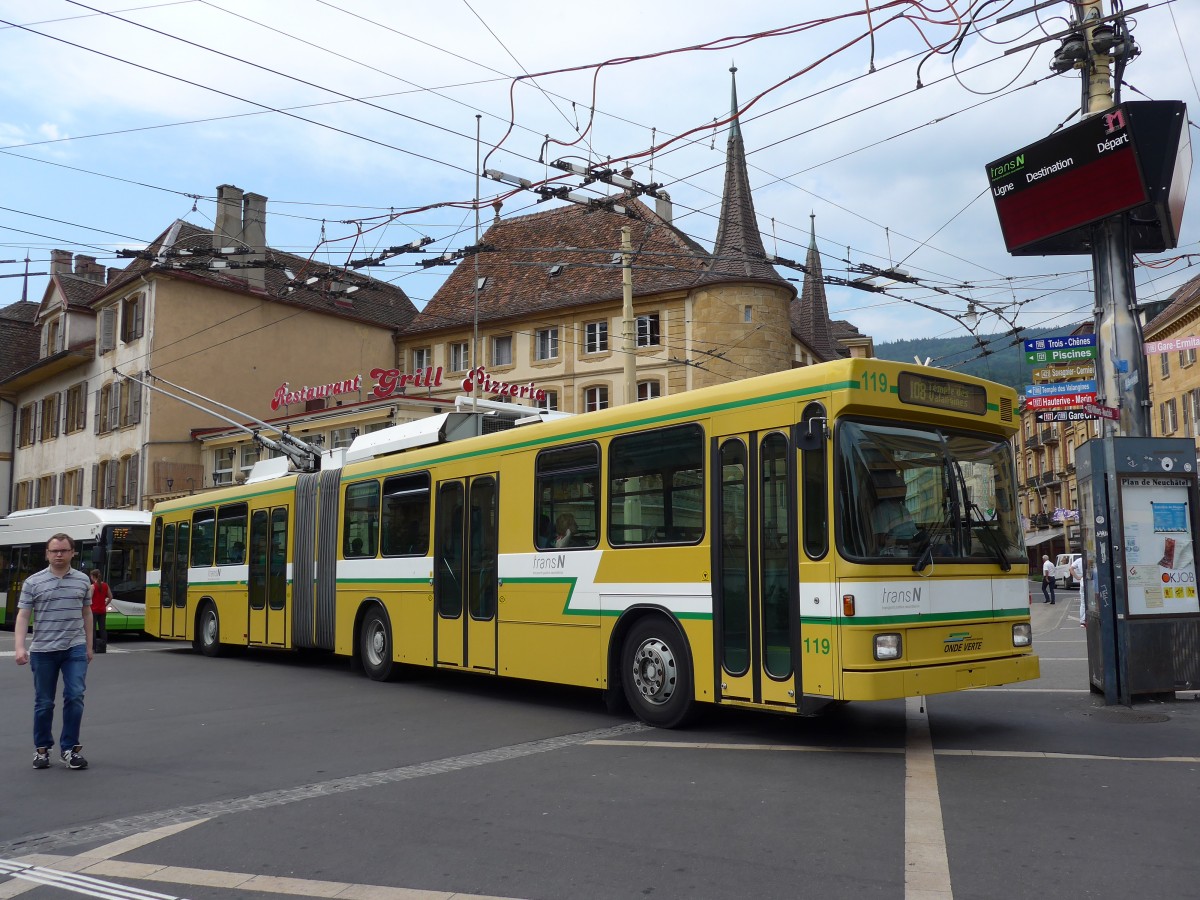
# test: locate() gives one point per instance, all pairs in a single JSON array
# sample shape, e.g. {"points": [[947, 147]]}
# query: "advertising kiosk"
{"points": [[1137, 513]]}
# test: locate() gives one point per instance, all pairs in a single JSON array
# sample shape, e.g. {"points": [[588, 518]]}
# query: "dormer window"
{"points": [[133, 317], [52, 337]]}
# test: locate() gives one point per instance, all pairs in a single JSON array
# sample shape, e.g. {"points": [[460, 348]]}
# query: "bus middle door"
{"points": [[267, 572], [173, 583], [466, 526], [754, 561]]}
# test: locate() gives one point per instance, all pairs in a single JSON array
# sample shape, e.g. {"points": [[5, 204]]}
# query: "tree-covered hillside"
{"points": [[1004, 362]]}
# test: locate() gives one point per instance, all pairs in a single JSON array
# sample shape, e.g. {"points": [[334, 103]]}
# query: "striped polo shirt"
{"points": [[57, 605]]}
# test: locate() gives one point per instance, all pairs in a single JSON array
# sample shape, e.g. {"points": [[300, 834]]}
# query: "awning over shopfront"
{"points": [[1034, 538]]}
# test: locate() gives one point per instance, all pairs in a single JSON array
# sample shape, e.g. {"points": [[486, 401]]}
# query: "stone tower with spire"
{"points": [[740, 322]]}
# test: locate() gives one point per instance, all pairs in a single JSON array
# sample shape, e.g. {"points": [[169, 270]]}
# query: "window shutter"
{"points": [[139, 316], [66, 411], [59, 403], [135, 401], [96, 398], [50, 500], [110, 483], [45, 346], [131, 482], [78, 487], [108, 329], [62, 489], [95, 484], [114, 405], [37, 421]]}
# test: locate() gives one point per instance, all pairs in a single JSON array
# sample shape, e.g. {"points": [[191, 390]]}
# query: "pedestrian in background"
{"points": [[101, 594], [58, 598], [1047, 580], [1077, 575]]}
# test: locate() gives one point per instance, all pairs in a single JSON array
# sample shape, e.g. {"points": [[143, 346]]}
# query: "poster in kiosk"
{"points": [[1138, 507]]}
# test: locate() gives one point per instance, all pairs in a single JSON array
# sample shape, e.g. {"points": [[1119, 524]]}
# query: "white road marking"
{"points": [[926, 864]]}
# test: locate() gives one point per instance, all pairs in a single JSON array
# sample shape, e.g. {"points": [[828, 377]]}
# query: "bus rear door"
{"points": [[754, 551], [464, 576], [268, 577], [173, 586]]}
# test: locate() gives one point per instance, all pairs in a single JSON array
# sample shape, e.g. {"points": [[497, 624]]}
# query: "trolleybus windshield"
{"points": [[928, 494], [120, 555]]}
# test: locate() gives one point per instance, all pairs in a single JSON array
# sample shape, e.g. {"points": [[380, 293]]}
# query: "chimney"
{"points": [[88, 269], [254, 236], [662, 206], [114, 274], [60, 262], [242, 223], [228, 228]]}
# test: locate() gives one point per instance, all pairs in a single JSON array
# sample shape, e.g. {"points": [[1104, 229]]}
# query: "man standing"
{"points": [[58, 596], [1047, 581]]}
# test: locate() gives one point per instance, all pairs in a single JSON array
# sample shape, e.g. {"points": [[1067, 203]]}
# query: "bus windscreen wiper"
{"points": [[975, 517]]}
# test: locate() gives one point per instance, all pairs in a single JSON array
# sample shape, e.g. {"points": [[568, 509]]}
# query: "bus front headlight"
{"points": [[888, 646], [1022, 635]]}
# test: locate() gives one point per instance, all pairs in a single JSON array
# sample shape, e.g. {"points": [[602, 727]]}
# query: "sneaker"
{"points": [[41, 758], [73, 758]]}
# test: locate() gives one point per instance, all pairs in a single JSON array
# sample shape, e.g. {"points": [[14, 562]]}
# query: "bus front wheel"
{"points": [[375, 645], [208, 631], [656, 675]]}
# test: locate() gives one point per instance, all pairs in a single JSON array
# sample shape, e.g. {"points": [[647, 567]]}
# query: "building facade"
{"points": [[87, 434]]}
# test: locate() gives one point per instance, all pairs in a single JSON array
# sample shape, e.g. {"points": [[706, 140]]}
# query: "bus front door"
{"points": [[754, 561], [267, 574], [465, 585], [173, 583]]}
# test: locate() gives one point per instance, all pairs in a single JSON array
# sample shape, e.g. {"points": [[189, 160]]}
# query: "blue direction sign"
{"points": [[1066, 342], [1056, 390]]}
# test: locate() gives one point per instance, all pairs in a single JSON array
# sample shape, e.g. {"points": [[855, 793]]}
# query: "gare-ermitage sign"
{"points": [[1171, 345], [1064, 415], [389, 382]]}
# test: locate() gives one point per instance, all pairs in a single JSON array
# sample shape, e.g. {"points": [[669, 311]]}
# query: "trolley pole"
{"points": [[629, 345], [1121, 363]]}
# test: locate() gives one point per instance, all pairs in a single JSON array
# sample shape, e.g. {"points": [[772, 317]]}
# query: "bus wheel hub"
{"points": [[654, 671]]}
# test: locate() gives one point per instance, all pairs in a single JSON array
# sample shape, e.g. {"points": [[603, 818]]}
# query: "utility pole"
{"points": [[629, 345], [1121, 363]]}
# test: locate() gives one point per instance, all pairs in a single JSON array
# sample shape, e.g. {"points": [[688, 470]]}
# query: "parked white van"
{"points": [[1062, 569]]}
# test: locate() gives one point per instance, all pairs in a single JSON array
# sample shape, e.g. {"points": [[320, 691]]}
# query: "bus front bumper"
{"points": [[890, 685]]}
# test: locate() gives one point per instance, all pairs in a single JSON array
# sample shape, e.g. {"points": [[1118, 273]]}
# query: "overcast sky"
{"points": [[107, 127]]}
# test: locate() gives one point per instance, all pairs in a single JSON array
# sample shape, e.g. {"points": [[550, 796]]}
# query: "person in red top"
{"points": [[101, 594]]}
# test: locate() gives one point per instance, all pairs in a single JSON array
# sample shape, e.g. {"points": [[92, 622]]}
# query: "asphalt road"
{"points": [[266, 775]]}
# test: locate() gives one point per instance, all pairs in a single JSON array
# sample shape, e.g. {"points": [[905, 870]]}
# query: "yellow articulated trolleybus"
{"points": [[846, 531]]}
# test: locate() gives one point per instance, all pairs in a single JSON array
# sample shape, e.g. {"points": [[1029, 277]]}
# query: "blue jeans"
{"points": [[46, 665]]}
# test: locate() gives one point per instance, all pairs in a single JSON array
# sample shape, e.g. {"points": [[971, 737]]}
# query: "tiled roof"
{"points": [[738, 250], [562, 258], [80, 292], [19, 345], [375, 302], [1183, 300], [810, 311], [21, 311]]}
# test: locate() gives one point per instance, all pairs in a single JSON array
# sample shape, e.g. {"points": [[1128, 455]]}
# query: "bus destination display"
{"points": [[941, 393], [1136, 156]]}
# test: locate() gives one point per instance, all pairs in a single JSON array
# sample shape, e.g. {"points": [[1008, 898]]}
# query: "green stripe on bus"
{"points": [[926, 619], [664, 418]]}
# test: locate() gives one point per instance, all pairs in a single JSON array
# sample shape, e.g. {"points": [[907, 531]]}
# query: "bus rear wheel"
{"points": [[375, 646], [208, 631], [656, 675]]}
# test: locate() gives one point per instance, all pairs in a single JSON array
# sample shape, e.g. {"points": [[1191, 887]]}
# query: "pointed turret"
{"points": [[811, 314], [739, 250]]}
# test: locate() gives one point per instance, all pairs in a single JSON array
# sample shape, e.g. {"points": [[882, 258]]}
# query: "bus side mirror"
{"points": [[812, 433]]}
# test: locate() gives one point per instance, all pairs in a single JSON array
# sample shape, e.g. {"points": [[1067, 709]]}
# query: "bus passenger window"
{"points": [[656, 487], [405, 522], [360, 531], [568, 498]]}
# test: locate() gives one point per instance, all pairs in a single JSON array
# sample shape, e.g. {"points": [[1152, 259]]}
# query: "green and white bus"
{"points": [[115, 541]]}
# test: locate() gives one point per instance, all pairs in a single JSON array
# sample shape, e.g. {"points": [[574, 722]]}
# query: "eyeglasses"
{"points": [[56, 552]]}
